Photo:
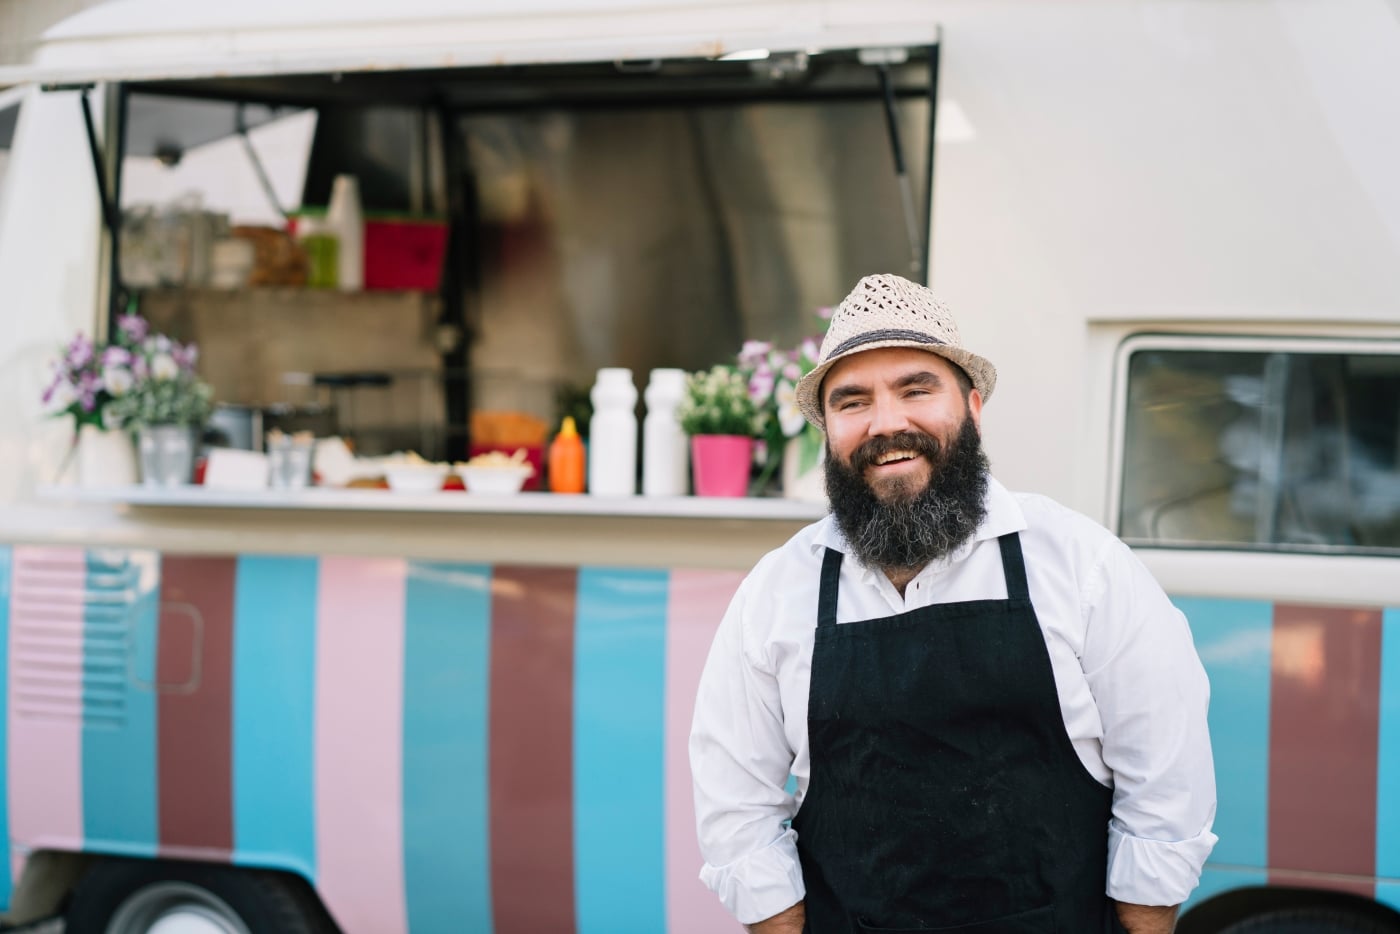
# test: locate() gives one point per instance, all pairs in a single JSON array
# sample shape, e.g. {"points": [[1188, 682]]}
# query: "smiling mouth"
{"points": [[895, 457]]}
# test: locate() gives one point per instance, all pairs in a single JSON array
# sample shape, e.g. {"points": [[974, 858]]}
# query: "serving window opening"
{"points": [[648, 214]]}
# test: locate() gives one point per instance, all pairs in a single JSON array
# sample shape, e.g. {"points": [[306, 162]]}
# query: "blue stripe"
{"points": [[119, 705], [1388, 893], [619, 771], [1388, 752], [1235, 642], [6, 883], [447, 660], [274, 711], [1219, 881]]}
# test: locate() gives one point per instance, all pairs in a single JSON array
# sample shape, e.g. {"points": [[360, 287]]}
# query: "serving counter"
{"points": [[528, 528]]}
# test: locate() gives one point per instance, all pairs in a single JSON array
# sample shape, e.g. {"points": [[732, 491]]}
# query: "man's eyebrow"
{"points": [[842, 393], [919, 378]]}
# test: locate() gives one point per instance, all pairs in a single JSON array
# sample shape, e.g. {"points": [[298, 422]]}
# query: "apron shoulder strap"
{"points": [[1014, 566], [831, 578]]}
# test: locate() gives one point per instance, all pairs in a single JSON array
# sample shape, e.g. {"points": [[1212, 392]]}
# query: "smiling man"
{"points": [[995, 717]]}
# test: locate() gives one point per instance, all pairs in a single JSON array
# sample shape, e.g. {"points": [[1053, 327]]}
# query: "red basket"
{"points": [[403, 253]]}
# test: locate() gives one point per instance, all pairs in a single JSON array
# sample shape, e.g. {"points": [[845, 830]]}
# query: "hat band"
{"points": [[885, 334]]}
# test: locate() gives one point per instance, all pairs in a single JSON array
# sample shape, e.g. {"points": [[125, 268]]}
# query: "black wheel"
{"points": [[1311, 921], [121, 896]]}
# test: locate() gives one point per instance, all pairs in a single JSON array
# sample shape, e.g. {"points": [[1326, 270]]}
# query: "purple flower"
{"points": [[79, 352], [825, 312], [133, 328], [753, 352], [139, 368], [88, 401], [116, 356], [811, 349], [186, 355], [761, 385], [792, 371], [52, 388]]}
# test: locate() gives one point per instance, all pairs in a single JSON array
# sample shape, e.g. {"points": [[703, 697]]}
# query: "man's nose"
{"points": [[887, 417]]}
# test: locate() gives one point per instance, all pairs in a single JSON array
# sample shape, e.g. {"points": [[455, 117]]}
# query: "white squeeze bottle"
{"points": [[612, 434], [346, 220], [665, 451]]}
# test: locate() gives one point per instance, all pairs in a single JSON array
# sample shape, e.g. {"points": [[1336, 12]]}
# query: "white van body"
{"points": [[1104, 171]]}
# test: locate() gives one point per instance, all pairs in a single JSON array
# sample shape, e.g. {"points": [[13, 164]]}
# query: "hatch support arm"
{"points": [[901, 171]]}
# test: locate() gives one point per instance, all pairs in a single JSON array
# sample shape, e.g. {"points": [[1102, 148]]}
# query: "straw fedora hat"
{"points": [[889, 311]]}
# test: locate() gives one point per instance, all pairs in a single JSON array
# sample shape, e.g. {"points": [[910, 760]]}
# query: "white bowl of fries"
{"points": [[496, 473]]}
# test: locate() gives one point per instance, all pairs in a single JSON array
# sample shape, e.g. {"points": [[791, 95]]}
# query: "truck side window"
{"points": [[1266, 448]]}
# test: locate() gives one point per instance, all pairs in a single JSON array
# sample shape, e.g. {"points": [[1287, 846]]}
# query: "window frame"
{"points": [[1223, 343]]}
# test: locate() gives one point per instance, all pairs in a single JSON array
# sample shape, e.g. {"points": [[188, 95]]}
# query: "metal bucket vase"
{"points": [[167, 454]]}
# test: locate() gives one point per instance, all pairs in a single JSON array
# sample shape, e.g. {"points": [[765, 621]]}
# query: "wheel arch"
{"points": [[50, 875], [1236, 905]]}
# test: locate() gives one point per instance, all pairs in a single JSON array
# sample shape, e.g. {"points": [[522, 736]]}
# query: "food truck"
{"points": [[1172, 226]]}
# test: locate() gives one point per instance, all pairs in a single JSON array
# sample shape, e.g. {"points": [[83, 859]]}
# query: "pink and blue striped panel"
{"points": [[6, 879], [359, 742], [1305, 710], [695, 605], [1388, 781], [274, 711], [619, 751], [119, 702], [447, 653], [45, 710]]}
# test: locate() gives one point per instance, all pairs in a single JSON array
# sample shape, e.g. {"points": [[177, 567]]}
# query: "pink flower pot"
{"points": [[721, 464]]}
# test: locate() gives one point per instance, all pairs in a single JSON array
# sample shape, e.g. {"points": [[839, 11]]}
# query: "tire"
{"points": [[122, 896], [1311, 921]]}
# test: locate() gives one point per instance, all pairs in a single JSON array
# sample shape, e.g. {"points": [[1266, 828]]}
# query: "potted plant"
{"points": [[165, 402], [718, 415], [789, 442]]}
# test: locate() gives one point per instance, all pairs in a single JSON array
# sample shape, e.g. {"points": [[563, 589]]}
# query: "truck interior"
{"points": [[633, 213]]}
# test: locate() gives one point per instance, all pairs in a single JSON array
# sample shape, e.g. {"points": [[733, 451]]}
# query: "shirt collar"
{"points": [[1003, 516]]}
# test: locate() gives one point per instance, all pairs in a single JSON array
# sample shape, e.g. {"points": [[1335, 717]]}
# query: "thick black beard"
{"points": [[912, 527]]}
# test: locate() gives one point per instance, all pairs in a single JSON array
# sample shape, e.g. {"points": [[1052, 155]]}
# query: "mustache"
{"points": [[917, 441]]}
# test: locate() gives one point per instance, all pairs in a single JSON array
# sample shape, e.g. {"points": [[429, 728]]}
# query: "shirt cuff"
{"points": [[761, 884], [1155, 872]]}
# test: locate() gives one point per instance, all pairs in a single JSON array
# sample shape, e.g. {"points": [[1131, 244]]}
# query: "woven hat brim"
{"points": [[978, 369]]}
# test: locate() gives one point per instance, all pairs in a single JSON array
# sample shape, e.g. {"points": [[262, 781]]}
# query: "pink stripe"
{"points": [[45, 715], [359, 743], [696, 604]]}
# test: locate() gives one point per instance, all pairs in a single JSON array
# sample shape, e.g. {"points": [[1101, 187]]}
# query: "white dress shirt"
{"points": [[1132, 693]]}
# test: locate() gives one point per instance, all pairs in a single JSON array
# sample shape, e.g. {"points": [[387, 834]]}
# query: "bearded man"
{"points": [[995, 717]]}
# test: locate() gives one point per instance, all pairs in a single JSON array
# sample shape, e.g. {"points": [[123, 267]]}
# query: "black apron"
{"points": [[945, 794]]}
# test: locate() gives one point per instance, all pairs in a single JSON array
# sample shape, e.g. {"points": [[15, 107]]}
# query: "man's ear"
{"points": [[974, 407]]}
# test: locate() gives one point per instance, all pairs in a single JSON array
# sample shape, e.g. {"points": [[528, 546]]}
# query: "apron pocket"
{"points": [[1035, 921]]}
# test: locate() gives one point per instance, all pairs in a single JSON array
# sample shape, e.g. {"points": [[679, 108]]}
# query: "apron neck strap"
{"points": [[1014, 566], [831, 577]]}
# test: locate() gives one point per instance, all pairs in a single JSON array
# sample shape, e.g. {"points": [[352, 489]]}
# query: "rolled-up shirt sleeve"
{"points": [[1152, 695], [740, 759]]}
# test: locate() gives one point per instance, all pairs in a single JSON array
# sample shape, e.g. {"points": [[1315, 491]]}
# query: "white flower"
{"points": [[163, 367], [790, 417], [117, 379], [63, 396]]}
